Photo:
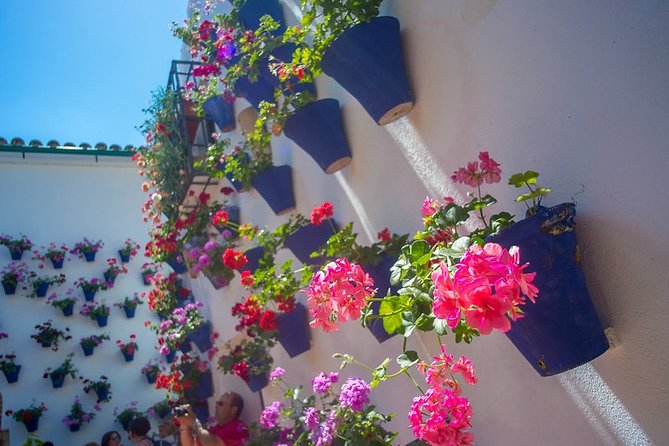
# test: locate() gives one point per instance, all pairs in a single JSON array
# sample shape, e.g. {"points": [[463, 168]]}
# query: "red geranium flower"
{"points": [[234, 259]]}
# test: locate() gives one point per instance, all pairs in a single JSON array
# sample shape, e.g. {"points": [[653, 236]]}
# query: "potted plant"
{"points": [[101, 387], [112, 271], [162, 408], [29, 416], [128, 414], [9, 367], [151, 370], [41, 284], [59, 374], [77, 416], [361, 51], [129, 250], [148, 270], [129, 305], [128, 349], [87, 249], [249, 359], [49, 336], [91, 286], [98, 312], [163, 161], [12, 275], [88, 343], [196, 378], [54, 253], [16, 246], [177, 326], [65, 304], [311, 420]]}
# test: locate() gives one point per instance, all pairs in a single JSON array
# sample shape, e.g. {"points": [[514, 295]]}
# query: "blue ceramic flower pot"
{"points": [[294, 335], [90, 256], [276, 187], [41, 290], [129, 312], [57, 380], [202, 389], [308, 239], [258, 382], [252, 10], [128, 356], [32, 425], [253, 257], [125, 258], [89, 295], [380, 274], [319, 130], [15, 253], [68, 310], [88, 351], [202, 337], [12, 377], [177, 264], [221, 112], [561, 330], [9, 288], [367, 61], [102, 320], [57, 264]]}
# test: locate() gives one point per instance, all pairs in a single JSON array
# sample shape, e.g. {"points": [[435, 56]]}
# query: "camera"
{"points": [[180, 411]]}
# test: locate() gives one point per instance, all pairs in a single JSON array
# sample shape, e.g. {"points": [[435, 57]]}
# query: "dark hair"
{"points": [[107, 437], [238, 402], [139, 426]]}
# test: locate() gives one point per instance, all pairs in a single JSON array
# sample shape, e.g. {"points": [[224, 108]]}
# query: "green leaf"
{"points": [[440, 326], [407, 359], [521, 179], [453, 215], [391, 322], [417, 250], [425, 322]]}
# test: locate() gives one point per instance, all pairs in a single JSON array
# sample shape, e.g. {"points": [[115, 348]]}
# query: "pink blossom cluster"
{"points": [[488, 285], [338, 293], [441, 415], [474, 174]]}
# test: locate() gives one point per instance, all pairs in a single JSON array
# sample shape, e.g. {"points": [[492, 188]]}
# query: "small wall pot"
{"points": [[380, 274], [202, 337], [252, 10], [32, 425], [179, 266], [294, 335], [129, 312], [75, 427], [110, 277], [68, 310], [145, 278], [40, 291], [319, 130], [260, 90], [128, 356], [276, 187], [57, 380], [367, 61], [9, 288], [12, 377], [102, 320], [222, 112], [202, 389], [90, 256], [308, 239], [88, 351], [151, 377], [89, 295], [561, 330], [258, 382], [253, 257], [15, 253], [102, 394], [57, 264], [125, 258], [169, 358]]}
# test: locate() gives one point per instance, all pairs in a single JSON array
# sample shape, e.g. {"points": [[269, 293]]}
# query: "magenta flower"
{"points": [[270, 416], [323, 381], [276, 374], [355, 394]]}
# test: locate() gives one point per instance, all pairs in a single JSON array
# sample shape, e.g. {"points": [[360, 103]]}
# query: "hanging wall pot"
{"points": [[308, 239], [561, 330], [319, 130], [367, 61], [276, 187], [380, 273], [294, 335], [221, 111]]}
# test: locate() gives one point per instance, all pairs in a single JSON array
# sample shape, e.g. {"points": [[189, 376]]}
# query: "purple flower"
{"points": [[311, 418], [324, 381], [203, 260], [226, 52], [270, 416], [209, 245], [276, 374], [354, 394]]}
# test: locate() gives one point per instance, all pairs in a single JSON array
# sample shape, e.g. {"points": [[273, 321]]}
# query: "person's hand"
{"points": [[186, 420]]}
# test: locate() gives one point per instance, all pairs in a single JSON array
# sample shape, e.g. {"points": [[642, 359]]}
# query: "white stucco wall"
{"points": [[63, 198], [574, 90]]}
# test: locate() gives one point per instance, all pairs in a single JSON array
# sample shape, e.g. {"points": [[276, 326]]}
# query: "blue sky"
{"points": [[83, 70]]}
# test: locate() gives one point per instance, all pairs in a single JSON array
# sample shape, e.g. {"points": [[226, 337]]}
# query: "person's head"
{"points": [[111, 438], [229, 407], [138, 428]]}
